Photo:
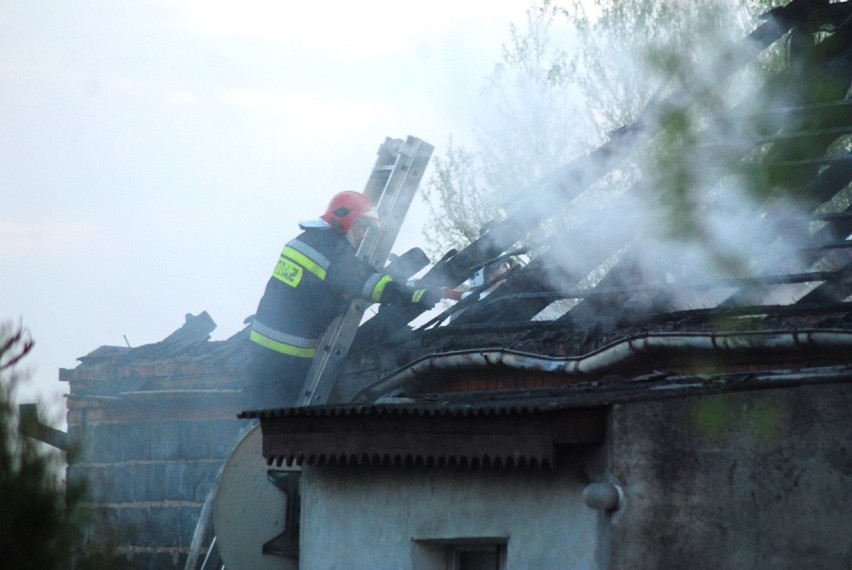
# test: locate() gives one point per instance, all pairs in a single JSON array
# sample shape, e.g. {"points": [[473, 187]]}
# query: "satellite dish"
{"points": [[250, 510]]}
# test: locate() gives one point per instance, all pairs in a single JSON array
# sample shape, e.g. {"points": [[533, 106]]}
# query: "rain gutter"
{"points": [[618, 356]]}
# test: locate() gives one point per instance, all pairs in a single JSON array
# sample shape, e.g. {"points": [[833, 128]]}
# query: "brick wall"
{"points": [[152, 426], [149, 470]]}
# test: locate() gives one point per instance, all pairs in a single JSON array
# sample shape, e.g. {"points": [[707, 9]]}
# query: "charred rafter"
{"points": [[795, 144]]}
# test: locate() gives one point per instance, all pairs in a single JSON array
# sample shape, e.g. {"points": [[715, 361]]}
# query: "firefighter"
{"points": [[316, 277]]}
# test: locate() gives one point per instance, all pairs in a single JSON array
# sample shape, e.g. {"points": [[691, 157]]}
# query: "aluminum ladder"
{"points": [[391, 186]]}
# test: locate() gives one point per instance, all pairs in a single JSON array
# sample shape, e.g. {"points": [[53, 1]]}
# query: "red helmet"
{"points": [[345, 208]]}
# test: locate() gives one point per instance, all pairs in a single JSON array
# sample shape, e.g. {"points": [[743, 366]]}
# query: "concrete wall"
{"points": [[758, 479], [399, 517]]}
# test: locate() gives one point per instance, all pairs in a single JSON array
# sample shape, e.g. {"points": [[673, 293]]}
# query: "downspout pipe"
{"points": [[615, 356]]}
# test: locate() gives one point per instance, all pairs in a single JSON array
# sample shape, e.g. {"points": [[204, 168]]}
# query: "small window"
{"points": [[479, 557], [468, 553]]}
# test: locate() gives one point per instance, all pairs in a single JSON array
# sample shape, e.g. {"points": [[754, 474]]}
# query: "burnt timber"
{"points": [[712, 408], [772, 318]]}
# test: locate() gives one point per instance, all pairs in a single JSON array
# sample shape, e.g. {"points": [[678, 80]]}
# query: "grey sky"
{"points": [[156, 154]]}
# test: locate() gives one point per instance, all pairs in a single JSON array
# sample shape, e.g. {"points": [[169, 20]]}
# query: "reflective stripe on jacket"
{"points": [[315, 278], [281, 342]]}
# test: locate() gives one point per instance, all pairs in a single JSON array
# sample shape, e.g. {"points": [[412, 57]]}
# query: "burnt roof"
{"points": [[551, 327], [547, 313], [186, 359], [533, 368]]}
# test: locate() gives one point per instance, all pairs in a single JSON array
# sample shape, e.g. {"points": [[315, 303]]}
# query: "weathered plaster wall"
{"points": [[758, 479], [372, 518]]}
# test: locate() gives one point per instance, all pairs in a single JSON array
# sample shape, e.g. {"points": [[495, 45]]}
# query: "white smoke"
{"points": [[692, 206]]}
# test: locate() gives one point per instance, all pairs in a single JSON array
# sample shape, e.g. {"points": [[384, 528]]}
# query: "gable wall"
{"points": [[149, 461]]}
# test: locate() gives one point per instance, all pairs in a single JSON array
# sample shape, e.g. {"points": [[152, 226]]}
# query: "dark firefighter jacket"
{"points": [[316, 277]]}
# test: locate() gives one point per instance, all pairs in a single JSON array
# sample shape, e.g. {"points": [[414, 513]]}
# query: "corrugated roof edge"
{"points": [[606, 392]]}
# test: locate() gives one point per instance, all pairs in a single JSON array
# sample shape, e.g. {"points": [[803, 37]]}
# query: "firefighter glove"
{"points": [[427, 297]]}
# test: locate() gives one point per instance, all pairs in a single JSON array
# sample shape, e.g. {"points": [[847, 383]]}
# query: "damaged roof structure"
{"points": [[790, 305], [711, 407], [695, 398], [786, 303]]}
